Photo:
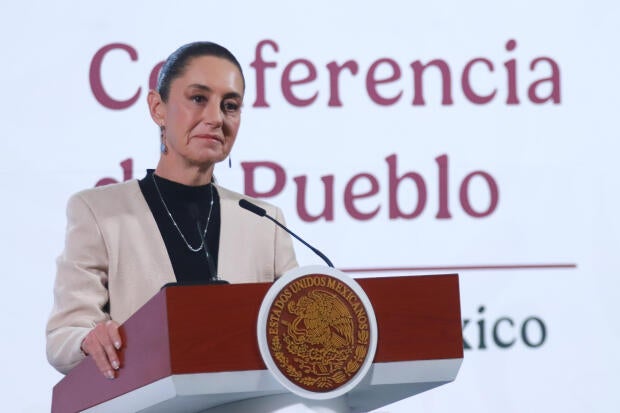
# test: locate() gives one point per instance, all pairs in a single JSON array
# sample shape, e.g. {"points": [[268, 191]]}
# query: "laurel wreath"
{"points": [[309, 358]]}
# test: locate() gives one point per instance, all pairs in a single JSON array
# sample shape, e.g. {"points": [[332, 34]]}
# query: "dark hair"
{"points": [[175, 64]]}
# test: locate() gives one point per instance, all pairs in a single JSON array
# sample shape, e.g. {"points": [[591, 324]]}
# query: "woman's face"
{"points": [[203, 112]]}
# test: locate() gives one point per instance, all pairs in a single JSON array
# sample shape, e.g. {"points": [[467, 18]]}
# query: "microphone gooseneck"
{"points": [[245, 204]]}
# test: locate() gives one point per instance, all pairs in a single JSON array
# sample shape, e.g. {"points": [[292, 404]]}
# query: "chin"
{"points": [[209, 158]]}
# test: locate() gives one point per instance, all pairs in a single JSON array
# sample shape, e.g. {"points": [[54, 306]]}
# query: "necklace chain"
{"points": [[204, 233]]}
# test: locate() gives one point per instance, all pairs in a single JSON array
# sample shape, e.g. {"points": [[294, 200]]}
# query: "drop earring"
{"points": [[229, 162], [162, 147]]}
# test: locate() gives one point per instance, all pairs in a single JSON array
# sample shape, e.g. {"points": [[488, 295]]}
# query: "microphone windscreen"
{"points": [[245, 204]]}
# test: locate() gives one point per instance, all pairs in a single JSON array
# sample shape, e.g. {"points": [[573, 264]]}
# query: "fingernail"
{"points": [[109, 374], [117, 344], [115, 365]]}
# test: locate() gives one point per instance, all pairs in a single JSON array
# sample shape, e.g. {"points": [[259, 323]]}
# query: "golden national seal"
{"points": [[318, 332]]}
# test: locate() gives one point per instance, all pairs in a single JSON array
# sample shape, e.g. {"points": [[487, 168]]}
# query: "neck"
{"points": [[188, 175]]}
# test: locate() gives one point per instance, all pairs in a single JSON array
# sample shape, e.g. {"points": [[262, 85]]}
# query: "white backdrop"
{"points": [[538, 272]]}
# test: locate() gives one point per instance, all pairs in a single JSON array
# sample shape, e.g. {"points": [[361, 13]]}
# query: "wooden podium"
{"points": [[190, 349]]}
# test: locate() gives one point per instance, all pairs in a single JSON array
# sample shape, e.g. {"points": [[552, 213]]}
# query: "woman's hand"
{"points": [[102, 344]]}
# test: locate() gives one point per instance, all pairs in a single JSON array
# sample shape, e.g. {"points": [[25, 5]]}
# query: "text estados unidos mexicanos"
{"points": [[328, 283]]}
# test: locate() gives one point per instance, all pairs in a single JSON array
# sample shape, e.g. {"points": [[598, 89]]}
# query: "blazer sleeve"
{"points": [[284, 252], [80, 288]]}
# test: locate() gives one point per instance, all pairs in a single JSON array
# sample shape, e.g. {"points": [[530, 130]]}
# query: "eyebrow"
{"points": [[208, 89]]}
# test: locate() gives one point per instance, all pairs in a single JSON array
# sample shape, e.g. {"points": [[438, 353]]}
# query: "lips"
{"points": [[209, 136]]}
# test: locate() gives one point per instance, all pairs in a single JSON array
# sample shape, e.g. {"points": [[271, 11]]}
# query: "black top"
{"points": [[188, 266]]}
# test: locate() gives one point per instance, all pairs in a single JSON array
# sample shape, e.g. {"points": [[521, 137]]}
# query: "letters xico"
{"points": [[383, 82], [532, 332]]}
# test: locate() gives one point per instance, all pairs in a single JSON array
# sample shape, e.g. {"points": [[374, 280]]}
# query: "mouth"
{"points": [[210, 137]]}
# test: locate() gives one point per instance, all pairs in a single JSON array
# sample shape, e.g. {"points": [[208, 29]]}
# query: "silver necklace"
{"points": [[204, 233]]}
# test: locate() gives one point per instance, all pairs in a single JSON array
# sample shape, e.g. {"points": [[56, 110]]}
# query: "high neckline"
{"points": [[187, 265], [182, 191]]}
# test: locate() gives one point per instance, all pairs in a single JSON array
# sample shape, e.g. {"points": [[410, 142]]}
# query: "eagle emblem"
{"points": [[320, 342]]}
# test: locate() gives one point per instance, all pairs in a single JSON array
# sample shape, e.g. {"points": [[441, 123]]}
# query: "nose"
{"points": [[213, 115]]}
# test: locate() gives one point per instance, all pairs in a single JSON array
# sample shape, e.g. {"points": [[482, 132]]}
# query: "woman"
{"points": [[125, 241]]}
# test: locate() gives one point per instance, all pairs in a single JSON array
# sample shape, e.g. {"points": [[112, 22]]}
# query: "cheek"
{"points": [[232, 127], [184, 118]]}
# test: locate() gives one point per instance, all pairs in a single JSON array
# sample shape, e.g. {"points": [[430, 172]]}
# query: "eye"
{"points": [[230, 106], [198, 99]]}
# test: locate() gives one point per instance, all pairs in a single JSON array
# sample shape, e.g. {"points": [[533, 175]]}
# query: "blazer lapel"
{"points": [[153, 239]]}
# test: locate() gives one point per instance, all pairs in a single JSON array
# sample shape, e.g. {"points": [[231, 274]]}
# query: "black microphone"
{"points": [[194, 212], [245, 204]]}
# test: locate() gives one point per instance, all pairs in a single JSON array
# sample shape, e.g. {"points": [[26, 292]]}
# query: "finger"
{"points": [[94, 345], [103, 364], [94, 349], [112, 327], [102, 333]]}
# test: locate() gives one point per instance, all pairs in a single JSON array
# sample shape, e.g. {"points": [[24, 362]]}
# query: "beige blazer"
{"points": [[114, 253]]}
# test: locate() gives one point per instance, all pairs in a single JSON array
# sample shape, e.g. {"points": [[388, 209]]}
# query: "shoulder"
{"points": [[106, 191], [105, 197]]}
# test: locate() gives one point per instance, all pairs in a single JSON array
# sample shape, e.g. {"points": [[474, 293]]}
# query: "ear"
{"points": [[157, 107]]}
